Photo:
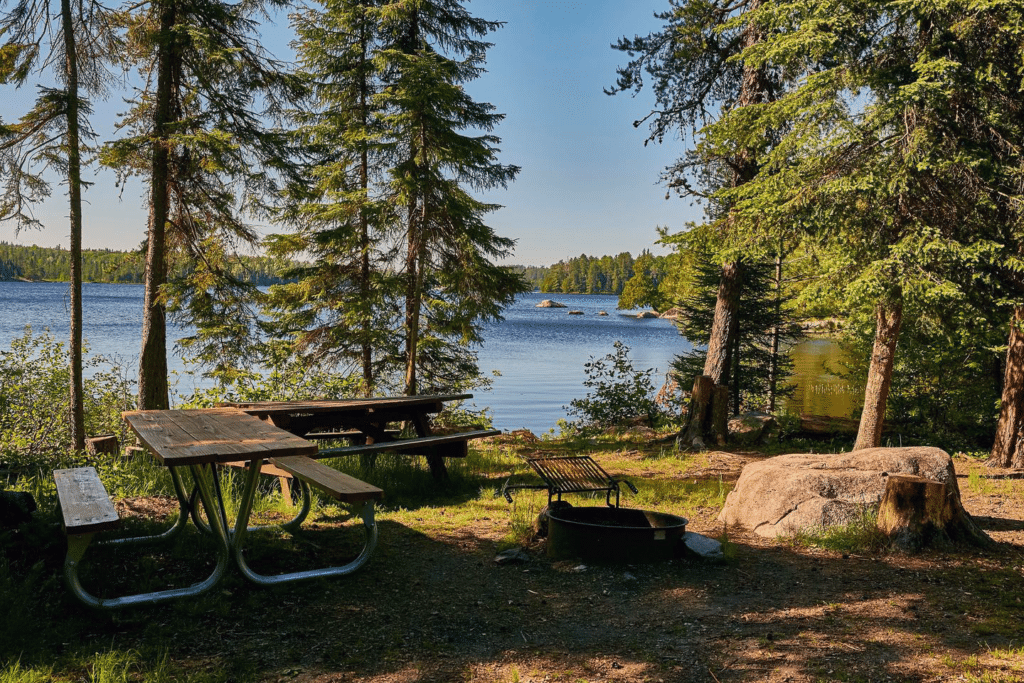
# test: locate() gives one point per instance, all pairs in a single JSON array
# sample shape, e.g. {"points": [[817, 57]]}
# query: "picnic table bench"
{"points": [[366, 423]]}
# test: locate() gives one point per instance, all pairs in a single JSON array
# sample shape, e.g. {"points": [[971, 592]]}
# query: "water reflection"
{"points": [[818, 391]]}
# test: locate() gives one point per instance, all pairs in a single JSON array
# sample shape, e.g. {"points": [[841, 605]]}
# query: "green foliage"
{"points": [[35, 427], [758, 314], [618, 393], [111, 266], [589, 275], [282, 377], [643, 290]]}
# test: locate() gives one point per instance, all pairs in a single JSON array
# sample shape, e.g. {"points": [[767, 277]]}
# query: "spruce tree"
{"points": [[431, 48], [338, 307], [893, 158], [202, 134], [697, 74]]}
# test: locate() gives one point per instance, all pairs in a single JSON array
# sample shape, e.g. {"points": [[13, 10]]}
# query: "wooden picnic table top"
{"points": [[211, 435], [349, 405]]}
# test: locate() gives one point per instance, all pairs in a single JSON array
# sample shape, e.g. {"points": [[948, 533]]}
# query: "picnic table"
{"points": [[365, 423], [195, 441]]}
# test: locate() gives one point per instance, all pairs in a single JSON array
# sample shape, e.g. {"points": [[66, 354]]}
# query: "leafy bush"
{"points": [[35, 411], [619, 393]]}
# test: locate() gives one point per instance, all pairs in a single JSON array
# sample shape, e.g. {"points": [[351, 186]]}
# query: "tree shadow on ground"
{"points": [[434, 606]]}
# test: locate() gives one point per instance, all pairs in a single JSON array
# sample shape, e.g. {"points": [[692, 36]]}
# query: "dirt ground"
{"points": [[434, 606]]}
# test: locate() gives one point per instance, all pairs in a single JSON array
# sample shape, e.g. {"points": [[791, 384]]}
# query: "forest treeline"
{"points": [[21, 262], [856, 160]]}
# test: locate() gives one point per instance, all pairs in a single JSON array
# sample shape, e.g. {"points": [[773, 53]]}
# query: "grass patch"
{"points": [[859, 536]]}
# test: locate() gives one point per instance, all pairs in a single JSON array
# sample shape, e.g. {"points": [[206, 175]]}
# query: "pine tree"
{"points": [[892, 156], [431, 49], [52, 135], [203, 136], [338, 307], [758, 360], [697, 73]]}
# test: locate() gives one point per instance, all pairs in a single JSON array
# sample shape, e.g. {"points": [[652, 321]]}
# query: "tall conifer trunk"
{"points": [[364, 230], [773, 370], [153, 388], [76, 390], [1008, 449], [888, 318], [717, 363]]}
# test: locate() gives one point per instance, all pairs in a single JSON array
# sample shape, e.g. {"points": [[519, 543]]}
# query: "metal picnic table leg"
{"points": [[185, 507], [78, 544], [242, 529]]}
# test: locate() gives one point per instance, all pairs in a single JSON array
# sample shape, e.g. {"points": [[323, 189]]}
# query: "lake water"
{"points": [[537, 353]]}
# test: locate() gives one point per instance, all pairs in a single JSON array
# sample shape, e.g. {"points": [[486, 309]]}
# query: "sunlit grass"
{"points": [[860, 535]]}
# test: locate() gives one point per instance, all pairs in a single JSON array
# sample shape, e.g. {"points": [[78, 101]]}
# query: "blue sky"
{"points": [[588, 184]]}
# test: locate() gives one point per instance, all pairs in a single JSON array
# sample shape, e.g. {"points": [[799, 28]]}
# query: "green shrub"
{"points": [[619, 393], [35, 412]]}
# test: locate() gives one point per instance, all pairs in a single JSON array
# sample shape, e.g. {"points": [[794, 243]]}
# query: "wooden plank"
{"points": [[407, 444], [84, 502], [347, 434], [266, 468], [188, 437], [353, 404], [337, 484]]}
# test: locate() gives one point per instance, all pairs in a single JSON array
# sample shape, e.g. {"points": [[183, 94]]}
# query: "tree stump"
{"points": [[106, 444], [916, 512]]}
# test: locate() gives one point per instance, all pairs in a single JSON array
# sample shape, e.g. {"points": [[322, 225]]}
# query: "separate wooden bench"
{"points": [[84, 502]]}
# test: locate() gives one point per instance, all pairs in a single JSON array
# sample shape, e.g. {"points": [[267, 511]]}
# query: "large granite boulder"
{"points": [[789, 493], [548, 303]]}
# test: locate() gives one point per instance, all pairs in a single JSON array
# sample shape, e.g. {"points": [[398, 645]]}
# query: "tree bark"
{"points": [[76, 389], [700, 409], [716, 365], [364, 231], [720, 415], [153, 388], [1008, 449], [773, 370], [888, 318]]}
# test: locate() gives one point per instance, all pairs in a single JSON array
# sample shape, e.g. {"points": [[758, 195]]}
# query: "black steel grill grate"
{"points": [[576, 474]]}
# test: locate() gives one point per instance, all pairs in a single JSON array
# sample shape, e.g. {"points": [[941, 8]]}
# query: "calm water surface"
{"points": [[537, 354]]}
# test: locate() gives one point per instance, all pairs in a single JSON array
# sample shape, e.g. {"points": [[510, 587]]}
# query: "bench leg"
{"points": [[77, 545], [248, 493], [366, 513], [185, 505]]}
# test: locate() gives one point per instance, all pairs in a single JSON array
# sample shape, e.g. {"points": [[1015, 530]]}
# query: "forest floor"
{"points": [[434, 606]]}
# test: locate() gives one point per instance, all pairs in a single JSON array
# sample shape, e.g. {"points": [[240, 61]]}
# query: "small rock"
{"points": [[574, 312], [628, 577], [602, 312], [647, 314], [580, 568], [702, 546], [512, 556]]}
